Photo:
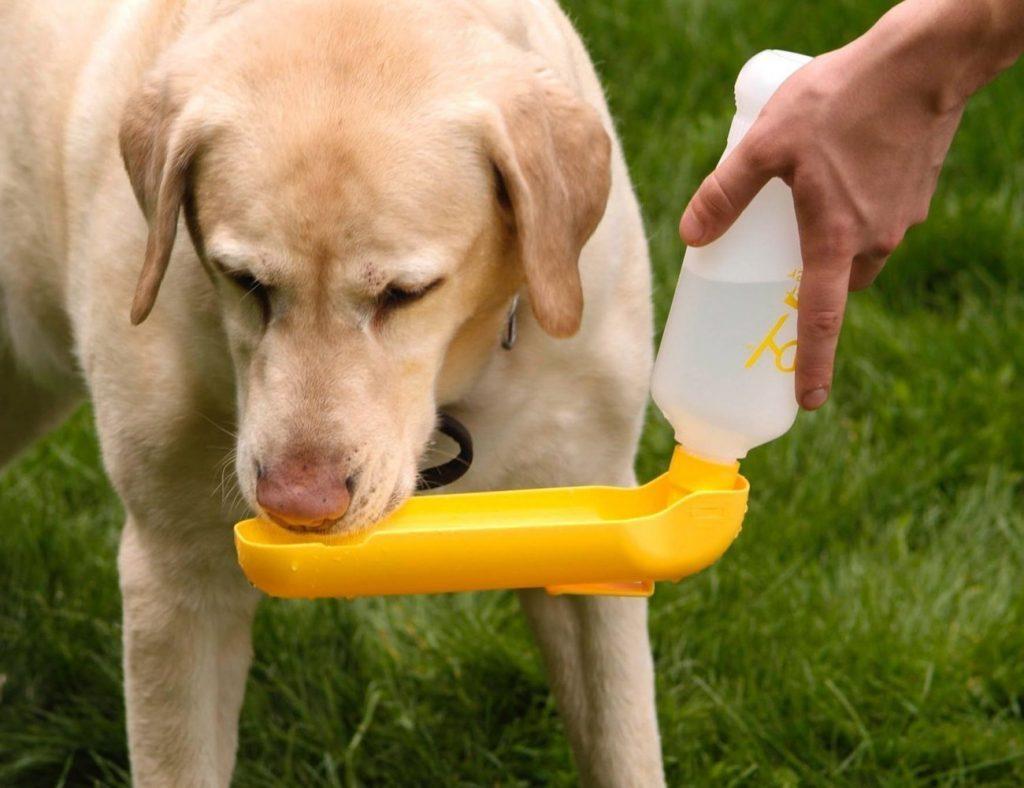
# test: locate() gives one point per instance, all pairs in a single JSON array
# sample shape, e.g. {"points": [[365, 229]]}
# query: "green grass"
{"points": [[867, 628]]}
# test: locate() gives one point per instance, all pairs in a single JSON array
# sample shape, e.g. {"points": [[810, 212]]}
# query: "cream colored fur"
{"points": [[331, 147]]}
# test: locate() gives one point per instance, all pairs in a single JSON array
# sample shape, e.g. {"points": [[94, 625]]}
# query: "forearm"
{"points": [[949, 49]]}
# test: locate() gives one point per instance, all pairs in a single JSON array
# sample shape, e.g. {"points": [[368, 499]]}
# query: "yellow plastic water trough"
{"points": [[576, 540]]}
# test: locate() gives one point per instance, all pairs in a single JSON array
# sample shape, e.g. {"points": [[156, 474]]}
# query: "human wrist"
{"points": [[990, 36], [949, 49]]}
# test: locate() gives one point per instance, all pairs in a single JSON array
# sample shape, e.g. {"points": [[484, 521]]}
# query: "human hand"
{"points": [[860, 135]]}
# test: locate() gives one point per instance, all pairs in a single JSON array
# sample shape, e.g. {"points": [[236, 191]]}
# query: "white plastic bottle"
{"points": [[724, 372]]}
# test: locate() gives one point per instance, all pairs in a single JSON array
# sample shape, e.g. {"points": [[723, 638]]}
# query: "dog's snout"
{"points": [[304, 493]]}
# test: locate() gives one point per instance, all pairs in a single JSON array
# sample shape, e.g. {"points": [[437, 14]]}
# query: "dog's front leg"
{"points": [[186, 656], [598, 660]]}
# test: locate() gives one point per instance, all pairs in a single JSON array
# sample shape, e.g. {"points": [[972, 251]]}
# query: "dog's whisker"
{"points": [[228, 489], [229, 432]]}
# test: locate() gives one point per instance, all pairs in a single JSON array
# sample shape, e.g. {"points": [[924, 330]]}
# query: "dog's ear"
{"points": [[159, 141], [553, 157]]}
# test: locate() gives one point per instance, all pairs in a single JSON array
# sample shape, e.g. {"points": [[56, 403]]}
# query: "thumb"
{"points": [[725, 193]]}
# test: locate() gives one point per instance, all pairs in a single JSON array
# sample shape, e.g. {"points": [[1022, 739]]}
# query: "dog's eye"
{"points": [[245, 280], [395, 296], [253, 288]]}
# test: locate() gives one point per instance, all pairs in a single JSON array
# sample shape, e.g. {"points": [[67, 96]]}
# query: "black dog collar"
{"points": [[455, 468]]}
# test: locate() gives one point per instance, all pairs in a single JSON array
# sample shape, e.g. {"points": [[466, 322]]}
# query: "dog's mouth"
{"points": [[324, 527]]}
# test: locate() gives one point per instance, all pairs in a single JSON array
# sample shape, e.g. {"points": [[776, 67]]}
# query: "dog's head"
{"points": [[366, 201]]}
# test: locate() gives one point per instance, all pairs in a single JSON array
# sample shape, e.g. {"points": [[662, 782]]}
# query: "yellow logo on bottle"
{"points": [[785, 361]]}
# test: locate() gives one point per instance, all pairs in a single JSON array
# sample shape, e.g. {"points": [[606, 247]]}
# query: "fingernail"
{"points": [[692, 229], [814, 399]]}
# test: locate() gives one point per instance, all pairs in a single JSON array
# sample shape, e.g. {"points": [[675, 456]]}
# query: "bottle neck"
{"points": [[691, 472]]}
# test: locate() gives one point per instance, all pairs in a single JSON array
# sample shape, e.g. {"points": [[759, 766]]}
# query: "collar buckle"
{"points": [[511, 332]]}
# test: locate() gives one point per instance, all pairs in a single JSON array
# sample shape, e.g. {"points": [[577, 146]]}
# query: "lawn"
{"points": [[868, 627]]}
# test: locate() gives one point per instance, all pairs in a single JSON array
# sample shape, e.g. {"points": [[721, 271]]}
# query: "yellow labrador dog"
{"points": [[305, 222]]}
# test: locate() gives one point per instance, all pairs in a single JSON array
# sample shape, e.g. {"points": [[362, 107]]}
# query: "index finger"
{"points": [[727, 191]]}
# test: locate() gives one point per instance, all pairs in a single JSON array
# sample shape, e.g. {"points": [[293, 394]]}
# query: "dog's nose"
{"points": [[304, 493]]}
